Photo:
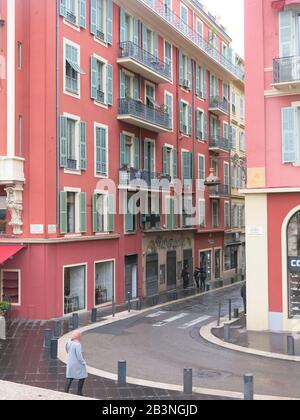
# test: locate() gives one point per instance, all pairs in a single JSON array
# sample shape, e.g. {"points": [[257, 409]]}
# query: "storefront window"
{"points": [[293, 232], [104, 283], [231, 258], [10, 286], [74, 289]]}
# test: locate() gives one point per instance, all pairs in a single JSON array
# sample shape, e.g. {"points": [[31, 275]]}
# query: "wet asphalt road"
{"points": [[158, 345]]}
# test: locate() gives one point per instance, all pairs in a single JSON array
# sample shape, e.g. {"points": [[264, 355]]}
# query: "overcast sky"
{"points": [[232, 17]]}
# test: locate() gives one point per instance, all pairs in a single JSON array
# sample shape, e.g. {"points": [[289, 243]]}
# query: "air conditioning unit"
{"points": [[187, 84]]}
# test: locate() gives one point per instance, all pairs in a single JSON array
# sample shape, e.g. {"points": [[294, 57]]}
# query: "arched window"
{"points": [[293, 241]]}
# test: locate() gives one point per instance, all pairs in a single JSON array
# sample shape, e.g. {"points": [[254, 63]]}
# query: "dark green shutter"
{"points": [[190, 120], [83, 221], [181, 75], [137, 153], [122, 151], [175, 170], [63, 142], [95, 213], [165, 163], [110, 213]]}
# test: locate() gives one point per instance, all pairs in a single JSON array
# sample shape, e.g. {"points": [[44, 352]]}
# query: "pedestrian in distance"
{"points": [[244, 297], [185, 276], [76, 365], [203, 277], [197, 277]]}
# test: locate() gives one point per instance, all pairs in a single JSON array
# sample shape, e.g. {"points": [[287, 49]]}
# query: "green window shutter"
{"points": [[136, 88], [204, 77], [109, 35], [63, 8], [122, 151], [181, 71], [286, 33], [137, 153], [93, 17], [63, 213], [94, 77], [205, 126], [110, 213], [175, 170], [144, 32], [122, 25], [219, 129], [152, 156], [63, 142], [136, 31], [122, 85], [146, 156], [212, 90], [169, 105], [155, 44], [83, 14], [83, 163], [226, 132], [165, 162], [83, 221], [198, 125], [169, 215], [190, 120], [182, 119], [129, 219], [95, 213], [289, 135], [101, 151], [109, 69], [198, 89], [189, 73], [218, 87]]}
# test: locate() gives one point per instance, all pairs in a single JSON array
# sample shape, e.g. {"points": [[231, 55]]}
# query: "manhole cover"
{"points": [[211, 374]]}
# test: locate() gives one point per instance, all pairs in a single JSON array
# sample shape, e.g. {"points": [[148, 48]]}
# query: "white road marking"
{"points": [[195, 322], [169, 320], [156, 314]]}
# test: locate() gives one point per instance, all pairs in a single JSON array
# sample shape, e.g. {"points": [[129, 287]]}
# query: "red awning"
{"points": [[8, 251], [280, 4]]}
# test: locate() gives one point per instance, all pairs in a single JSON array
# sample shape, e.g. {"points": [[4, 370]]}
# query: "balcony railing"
{"points": [[143, 112], [150, 221], [219, 142], [100, 96], [286, 69], [217, 102], [71, 164], [219, 191], [171, 17], [151, 179], [135, 52]]}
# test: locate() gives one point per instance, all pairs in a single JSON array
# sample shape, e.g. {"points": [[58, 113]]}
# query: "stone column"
{"points": [[15, 207]]}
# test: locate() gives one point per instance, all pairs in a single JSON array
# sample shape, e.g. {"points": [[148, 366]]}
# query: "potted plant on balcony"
{"points": [[4, 308]]}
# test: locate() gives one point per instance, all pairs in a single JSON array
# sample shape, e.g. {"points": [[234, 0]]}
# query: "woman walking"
{"points": [[76, 366]]}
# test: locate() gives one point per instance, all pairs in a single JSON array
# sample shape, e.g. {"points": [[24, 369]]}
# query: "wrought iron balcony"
{"points": [[128, 176], [218, 105], [135, 59], [219, 191], [286, 72], [137, 113], [71, 164], [218, 143], [150, 221], [180, 26], [71, 17], [100, 97]]}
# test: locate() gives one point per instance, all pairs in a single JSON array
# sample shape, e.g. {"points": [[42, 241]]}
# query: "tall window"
{"points": [[74, 289]]}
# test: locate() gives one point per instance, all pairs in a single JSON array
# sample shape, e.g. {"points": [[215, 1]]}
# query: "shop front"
{"points": [[164, 256]]}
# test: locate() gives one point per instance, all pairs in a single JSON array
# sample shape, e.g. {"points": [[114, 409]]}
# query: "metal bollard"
{"points": [[236, 313], [291, 345], [54, 349], [56, 332], [230, 310], [94, 315], [75, 321], [113, 309], [47, 339], [129, 301], [248, 387], [208, 287], [122, 368], [219, 314], [188, 381], [227, 332]]}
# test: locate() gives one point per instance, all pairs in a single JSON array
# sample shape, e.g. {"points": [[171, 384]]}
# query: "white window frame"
{"points": [[217, 225], [106, 128], [202, 125], [171, 147], [148, 140], [85, 264], [19, 285], [132, 136], [167, 93], [77, 46], [202, 200], [131, 76], [105, 193], [105, 62], [77, 192], [77, 120], [170, 43], [113, 260], [76, 24]]}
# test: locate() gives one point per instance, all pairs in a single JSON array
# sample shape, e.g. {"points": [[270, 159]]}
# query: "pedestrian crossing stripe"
{"points": [[194, 322], [156, 314], [169, 320]]}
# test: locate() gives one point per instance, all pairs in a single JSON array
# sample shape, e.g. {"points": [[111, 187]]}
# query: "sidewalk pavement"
{"points": [[23, 360]]}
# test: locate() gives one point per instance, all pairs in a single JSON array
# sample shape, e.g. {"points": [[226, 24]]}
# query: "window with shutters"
{"points": [[202, 211], [130, 218], [101, 81], [290, 135], [233, 137], [242, 108], [129, 152], [103, 212], [185, 71], [187, 166], [233, 102], [169, 108], [227, 214], [214, 86], [102, 20], [101, 150], [171, 213], [242, 141], [73, 209], [74, 12], [72, 143], [73, 70], [184, 13], [169, 56], [226, 175], [200, 124], [201, 172], [215, 214], [201, 82], [170, 161], [187, 211], [186, 119]]}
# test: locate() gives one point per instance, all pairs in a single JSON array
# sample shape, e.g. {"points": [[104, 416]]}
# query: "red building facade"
{"points": [[98, 92]]}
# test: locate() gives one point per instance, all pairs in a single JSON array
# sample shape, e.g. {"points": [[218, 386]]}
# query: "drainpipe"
{"points": [[57, 118]]}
